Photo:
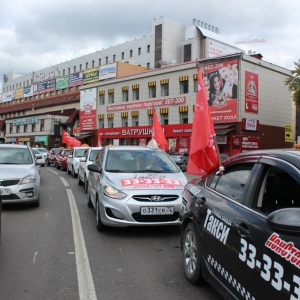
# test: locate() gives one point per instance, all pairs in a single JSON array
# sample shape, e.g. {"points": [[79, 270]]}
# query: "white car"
{"points": [[39, 156], [87, 159], [73, 160], [44, 151], [19, 175]]}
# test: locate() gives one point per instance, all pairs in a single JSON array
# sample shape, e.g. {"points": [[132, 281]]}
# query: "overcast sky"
{"points": [[37, 34]]}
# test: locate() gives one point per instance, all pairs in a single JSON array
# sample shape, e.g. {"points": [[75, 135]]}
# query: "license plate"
{"points": [[157, 210], [5, 191]]}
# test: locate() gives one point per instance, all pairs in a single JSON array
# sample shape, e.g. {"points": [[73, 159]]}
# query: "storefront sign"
{"points": [[90, 75], [147, 104], [25, 121], [41, 139], [44, 87], [250, 143], [108, 71], [75, 79], [250, 124]]}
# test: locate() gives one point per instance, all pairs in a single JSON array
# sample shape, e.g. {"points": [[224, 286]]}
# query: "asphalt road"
{"points": [[56, 252]]}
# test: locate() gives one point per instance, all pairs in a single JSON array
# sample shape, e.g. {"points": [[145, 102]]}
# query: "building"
{"points": [[112, 93]]}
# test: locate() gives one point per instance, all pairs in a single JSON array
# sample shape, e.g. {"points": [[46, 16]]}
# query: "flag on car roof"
{"points": [[158, 138], [69, 140], [99, 139], [203, 155]]}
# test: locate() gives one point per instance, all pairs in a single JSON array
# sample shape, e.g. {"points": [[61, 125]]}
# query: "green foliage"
{"points": [[293, 82]]}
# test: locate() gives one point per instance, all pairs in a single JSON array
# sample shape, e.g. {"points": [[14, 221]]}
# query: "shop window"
{"points": [[102, 99]]}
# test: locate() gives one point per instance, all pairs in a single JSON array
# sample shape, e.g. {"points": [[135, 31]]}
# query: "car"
{"points": [[180, 158], [62, 159], [134, 186], [19, 175], [51, 156], [87, 159], [39, 156], [240, 227], [73, 160], [44, 151]]}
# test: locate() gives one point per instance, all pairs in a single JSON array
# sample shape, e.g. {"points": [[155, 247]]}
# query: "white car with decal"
{"points": [[135, 186]]}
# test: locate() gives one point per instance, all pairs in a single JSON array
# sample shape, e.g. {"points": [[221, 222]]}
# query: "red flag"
{"points": [[203, 155], [69, 140], [99, 140], [158, 134]]}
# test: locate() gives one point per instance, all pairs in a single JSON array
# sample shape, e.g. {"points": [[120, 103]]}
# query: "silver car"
{"points": [[19, 175], [135, 186], [87, 159]]}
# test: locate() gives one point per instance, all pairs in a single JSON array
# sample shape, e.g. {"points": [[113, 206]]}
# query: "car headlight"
{"points": [[111, 192], [29, 179]]}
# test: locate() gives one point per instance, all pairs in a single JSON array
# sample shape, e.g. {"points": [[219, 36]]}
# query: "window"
{"points": [[86, 65], [111, 96], [148, 48], [148, 65], [123, 55], [93, 63], [101, 123], [130, 53], [135, 121], [42, 125], [102, 97], [64, 72], [139, 51], [69, 71], [125, 93], [231, 184], [165, 119], [114, 57], [152, 89], [74, 69], [196, 82], [99, 61], [33, 128], [110, 123], [187, 52], [11, 128], [25, 128], [80, 67], [18, 129], [106, 59], [164, 85], [184, 84], [184, 119], [125, 122], [135, 92]]}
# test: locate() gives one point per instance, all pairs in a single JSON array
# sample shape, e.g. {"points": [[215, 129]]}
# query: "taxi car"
{"points": [[240, 227], [135, 186], [87, 159], [19, 175], [74, 159]]}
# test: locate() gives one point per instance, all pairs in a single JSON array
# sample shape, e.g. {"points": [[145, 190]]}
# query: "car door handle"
{"points": [[242, 229]]}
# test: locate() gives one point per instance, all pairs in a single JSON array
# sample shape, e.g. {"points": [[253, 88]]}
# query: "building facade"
{"points": [[115, 99]]}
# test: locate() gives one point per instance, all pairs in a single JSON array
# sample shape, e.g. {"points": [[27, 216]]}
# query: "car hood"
{"points": [[17, 171], [146, 181]]}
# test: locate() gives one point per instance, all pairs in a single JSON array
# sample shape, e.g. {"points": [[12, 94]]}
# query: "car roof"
{"points": [[290, 155], [17, 146], [126, 148]]}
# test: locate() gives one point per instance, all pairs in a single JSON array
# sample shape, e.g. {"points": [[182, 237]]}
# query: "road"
{"points": [[56, 252]]}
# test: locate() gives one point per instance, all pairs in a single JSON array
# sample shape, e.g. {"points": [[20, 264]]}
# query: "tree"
{"points": [[293, 82]]}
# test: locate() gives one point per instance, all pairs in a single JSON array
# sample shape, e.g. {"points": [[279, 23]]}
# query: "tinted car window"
{"points": [[232, 182]]}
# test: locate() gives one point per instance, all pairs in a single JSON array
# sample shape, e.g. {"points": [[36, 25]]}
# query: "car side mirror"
{"points": [[94, 168]]}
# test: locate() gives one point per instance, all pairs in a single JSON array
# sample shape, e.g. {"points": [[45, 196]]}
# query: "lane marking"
{"points": [[64, 181], [35, 254], [84, 274]]}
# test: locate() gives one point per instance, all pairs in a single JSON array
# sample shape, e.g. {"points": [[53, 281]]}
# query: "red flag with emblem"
{"points": [[203, 155], [69, 140], [158, 134]]}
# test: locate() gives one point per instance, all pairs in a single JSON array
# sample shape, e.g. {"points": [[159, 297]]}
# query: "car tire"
{"points": [[85, 184], [73, 172], [100, 226], [191, 255], [89, 204], [57, 166], [79, 180]]}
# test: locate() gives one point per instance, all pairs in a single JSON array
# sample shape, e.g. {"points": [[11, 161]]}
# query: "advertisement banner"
{"points": [[251, 92], [221, 82], [108, 71], [28, 91], [91, 75], [19, 93], [76, 79], [44, 87], [62, 82], [8, 96], [88, 111]]}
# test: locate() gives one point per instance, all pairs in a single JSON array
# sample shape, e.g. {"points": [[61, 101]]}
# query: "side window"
{"points": [[99, 159], [277, 189], [231, 184]]}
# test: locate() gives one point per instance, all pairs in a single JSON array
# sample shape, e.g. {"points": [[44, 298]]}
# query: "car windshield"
{"points": [[79, 152], [43, 150], [67, 152], [15, 156], [137, 161], [93, 154]]}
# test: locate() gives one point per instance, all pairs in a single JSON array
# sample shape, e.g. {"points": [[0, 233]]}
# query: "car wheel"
{"points": [[79, 180], [43, 165], [89, 204], [57, 166], [35, 203], [99, 224], [86, 184], [191, 255], [48, 162], [73, 172]]}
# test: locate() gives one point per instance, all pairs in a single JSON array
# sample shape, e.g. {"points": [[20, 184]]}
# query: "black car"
{"points": [[240, 229]]}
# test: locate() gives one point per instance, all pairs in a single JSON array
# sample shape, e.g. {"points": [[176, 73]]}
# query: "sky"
{"points": [[38, 34]]}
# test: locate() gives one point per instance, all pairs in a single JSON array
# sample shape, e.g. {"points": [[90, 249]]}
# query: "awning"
{"points": [[222, 129]]}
